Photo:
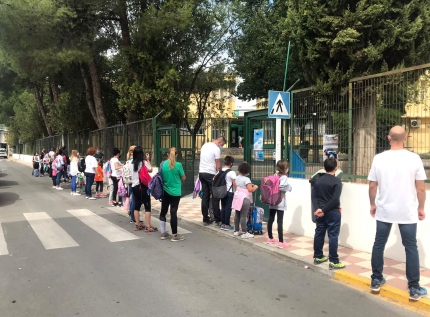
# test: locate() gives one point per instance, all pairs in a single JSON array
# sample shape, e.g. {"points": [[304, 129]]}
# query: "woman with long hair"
{"points": [[140, 192], [90, 171], [173, 175], [74, 172], [129, 201]]}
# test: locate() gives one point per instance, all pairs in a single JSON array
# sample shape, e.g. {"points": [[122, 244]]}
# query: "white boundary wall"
{"points": [[358, 227]]}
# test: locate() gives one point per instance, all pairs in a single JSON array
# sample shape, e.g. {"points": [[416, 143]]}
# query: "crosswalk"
{"points": [[52, 236]]}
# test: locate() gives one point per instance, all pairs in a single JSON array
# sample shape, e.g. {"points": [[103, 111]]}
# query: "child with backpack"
{"points": [[230, 180], [242, 200], [282, 168], [140, 190], [99, 181]]}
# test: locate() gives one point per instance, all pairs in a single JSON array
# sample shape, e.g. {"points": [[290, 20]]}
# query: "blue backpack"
{"points": [[155, 186]]}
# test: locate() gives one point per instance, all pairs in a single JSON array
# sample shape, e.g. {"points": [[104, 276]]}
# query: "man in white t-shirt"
{"points": [[210, 164], [399, 175]]}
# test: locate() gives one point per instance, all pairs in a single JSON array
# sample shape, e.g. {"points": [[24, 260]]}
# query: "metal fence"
{"points": [[361, 114]]}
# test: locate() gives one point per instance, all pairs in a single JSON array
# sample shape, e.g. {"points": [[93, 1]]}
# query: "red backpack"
{"points": [[144, 176]]}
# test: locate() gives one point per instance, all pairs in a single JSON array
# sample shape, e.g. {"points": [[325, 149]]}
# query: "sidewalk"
{"points": [[358, 265]]}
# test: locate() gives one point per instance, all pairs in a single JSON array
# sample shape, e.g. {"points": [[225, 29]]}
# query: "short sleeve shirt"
{"points": [[90, 164], [114, 160], [229, 179], [396, 172], [172, 178], [208, 154]]}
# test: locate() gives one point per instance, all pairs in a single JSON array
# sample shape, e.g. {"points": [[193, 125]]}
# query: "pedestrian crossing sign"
{"points": [[279, 105]]}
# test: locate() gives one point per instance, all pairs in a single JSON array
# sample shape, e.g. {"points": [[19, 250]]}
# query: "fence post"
{"points": [[350, 128]]}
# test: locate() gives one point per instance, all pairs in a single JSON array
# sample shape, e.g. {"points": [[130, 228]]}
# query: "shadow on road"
{"points": [[7, 199], [6, 184]]}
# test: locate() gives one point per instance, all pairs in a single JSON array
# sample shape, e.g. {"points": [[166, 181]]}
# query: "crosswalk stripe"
{"points": [[3, 245], [49, 232], [107, 229], [154, 220]]}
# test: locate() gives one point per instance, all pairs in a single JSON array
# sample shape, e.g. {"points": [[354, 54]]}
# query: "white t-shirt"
{"points": [[208, 154], [114, 160], [74, 166], [229, 179], [396, 172], [135, 175], [90, 164]]}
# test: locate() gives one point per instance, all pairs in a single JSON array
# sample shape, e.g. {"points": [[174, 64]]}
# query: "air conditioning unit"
{"points": [[415, 123]]}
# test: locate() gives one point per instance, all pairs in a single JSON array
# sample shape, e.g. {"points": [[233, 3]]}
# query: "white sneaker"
{"points": [[92, 198], [59, 188], [247, 235], [237, 233], [76, 194]]}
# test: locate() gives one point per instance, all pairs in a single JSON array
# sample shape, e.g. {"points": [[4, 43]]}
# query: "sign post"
{"points": [[279, 108]]}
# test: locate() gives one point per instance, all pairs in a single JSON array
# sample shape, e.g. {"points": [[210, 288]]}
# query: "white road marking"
{"points": [[154, 220], [107, 229], [49, 232], [3, 245]]}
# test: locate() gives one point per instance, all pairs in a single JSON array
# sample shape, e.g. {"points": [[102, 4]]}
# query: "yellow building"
{"points": [[416, 121]]}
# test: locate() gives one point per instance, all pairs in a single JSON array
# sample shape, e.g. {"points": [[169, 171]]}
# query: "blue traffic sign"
{"points": [[279, 105]]}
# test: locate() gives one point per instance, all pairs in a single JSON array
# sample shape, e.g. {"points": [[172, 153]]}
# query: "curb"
{"points": [[361, 282], [292, 258], [387, 291]]}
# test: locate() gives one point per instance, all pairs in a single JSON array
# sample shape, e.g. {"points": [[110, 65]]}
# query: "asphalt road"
{"points": [[59, 258]]}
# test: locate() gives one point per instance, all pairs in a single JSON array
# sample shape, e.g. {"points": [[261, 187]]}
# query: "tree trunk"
{"points": [[364, 133], [97, 95], [55, 91], [89, 95], [39, 103]]}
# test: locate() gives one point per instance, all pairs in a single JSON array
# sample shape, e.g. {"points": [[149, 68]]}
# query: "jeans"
{"points": [[280, 220], [59, 174], [330, 223], [173, 202], [54, 180], [131, 208], [226, 208], [409, 241], [206, 180], [73, 184], [89, 183]]}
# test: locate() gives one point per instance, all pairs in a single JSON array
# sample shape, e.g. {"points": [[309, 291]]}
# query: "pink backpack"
{"points": [[269, 189]]}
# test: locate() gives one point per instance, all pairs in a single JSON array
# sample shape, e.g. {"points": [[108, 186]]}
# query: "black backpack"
{"points": [[82, 166], [219, 185]]}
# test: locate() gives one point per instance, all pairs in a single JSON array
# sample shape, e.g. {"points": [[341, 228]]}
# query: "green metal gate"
{"points": [[168, 136], [261, 167]]}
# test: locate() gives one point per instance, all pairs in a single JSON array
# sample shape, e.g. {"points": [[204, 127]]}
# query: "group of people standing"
{"points": [[397, 174]]}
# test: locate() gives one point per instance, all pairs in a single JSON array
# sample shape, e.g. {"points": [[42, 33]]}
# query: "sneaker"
{"points": [[336, 266], [228, 227], [376, 284], [165, 235], [132, 221], [177, 237], [207, 223], [59, 188], [247, 235], [92, 198], [97, 195], [415, 293], [320, 260], [222, 227], [110, 203], [237, 233], [102, 196], [283, 245], [76, 194], [272, 241]]}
